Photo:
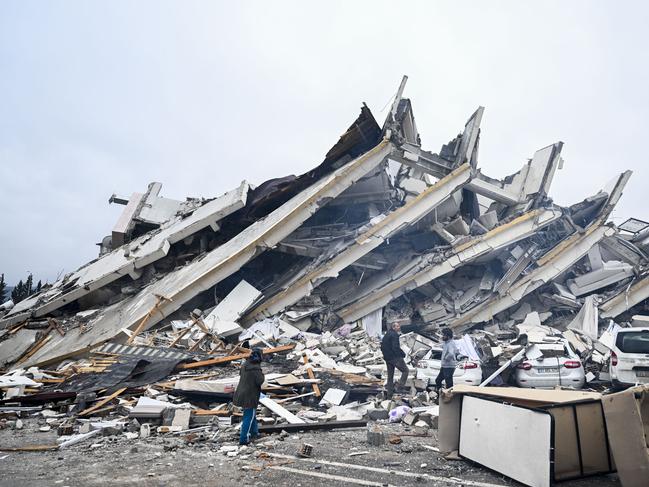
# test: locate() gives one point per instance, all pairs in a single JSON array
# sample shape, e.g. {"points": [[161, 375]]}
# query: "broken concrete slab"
{"points": [[133, 256], [181, 285]]}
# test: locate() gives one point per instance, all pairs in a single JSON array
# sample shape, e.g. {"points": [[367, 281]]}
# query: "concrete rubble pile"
{"points": [[145, 339]]}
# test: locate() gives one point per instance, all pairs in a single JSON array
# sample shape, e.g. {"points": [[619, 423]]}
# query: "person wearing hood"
{"points": [[247, 394]]}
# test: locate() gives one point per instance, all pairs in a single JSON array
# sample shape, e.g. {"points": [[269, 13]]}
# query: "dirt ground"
{"points": [[340, 457]]}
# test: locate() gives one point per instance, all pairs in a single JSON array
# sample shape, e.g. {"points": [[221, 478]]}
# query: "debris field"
{"points": [[139, 350]]}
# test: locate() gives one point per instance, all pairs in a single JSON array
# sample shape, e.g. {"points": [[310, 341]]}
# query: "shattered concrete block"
{"points": [[133, 426], [377, 414], [410, 418], [430, 419], [477, 228], [413, 186], [375, 437], [443, 233], [111, 430], [458, 227], [181, 418], [489, 220]]}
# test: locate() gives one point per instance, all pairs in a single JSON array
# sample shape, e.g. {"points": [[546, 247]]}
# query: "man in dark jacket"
{"points": [[247, 395], [393, 356]]}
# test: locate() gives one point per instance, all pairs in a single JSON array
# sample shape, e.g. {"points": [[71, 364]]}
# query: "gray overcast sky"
{"points": [[103, 97]]}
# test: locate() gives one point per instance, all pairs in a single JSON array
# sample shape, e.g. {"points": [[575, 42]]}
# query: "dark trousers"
{"points": [[401, 365], [446, 375], [249, 427]]}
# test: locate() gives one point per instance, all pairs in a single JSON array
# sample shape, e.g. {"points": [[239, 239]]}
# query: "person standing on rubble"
{"points": [[393, 356], [247, 394], [449, 360]]}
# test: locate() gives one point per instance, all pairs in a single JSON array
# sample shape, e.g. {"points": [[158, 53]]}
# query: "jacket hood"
{"points": [[251, 365]]}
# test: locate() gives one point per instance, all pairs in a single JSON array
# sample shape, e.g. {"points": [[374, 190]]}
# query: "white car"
{"points": [[466, 372], [557, 365], [629, 363]]}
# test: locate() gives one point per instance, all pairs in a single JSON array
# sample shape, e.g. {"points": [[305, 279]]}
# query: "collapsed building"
{"points": [[383, 230], [380, 224]]}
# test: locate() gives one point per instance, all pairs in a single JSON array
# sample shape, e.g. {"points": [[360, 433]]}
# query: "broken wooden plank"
{"points": [[103, 401], [232, 358], [213, 412], [309, 371], [145, 319], [280, 411], [322, 425], [30, 448]]}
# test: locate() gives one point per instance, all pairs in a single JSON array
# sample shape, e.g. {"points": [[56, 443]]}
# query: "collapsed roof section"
{"points": [[130, 259], [381, 223]]}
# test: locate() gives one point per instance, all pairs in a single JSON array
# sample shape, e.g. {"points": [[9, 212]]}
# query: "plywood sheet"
{"points": [[533, 395], [508, 439]]}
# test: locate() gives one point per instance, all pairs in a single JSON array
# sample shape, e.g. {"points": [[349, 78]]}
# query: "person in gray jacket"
{"points": [[449, 360]]}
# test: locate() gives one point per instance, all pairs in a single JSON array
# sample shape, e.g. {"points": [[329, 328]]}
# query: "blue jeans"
{"points": [[249, 426]]}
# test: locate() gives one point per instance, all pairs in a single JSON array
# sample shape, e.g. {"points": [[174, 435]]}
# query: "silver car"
{"points": [[556, 365]]}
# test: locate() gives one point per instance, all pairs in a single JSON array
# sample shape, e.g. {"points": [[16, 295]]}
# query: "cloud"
{"points": [[103, 98]]}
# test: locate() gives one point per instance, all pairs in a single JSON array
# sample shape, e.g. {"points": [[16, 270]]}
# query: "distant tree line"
{"points": [[22, 290]]}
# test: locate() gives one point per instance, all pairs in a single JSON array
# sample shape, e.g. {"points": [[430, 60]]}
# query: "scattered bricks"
{"points": [[305, 450], [410, 418], [377, 414], [375, 437]]}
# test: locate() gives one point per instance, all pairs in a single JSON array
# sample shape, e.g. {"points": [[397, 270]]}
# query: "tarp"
{"points": [[372, 323], [586, 320]]}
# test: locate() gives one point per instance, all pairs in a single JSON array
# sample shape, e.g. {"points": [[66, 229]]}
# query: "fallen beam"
{"points": [[552, 264], [185, 283], [280, 410], [129, 259], [101, 402], [322, 425], [371, 298], [378, 233], [557, 261], [232, 358], [618, 304]]}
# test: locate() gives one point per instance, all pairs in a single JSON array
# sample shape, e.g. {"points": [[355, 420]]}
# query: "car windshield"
{"points": [[633, 341]]}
